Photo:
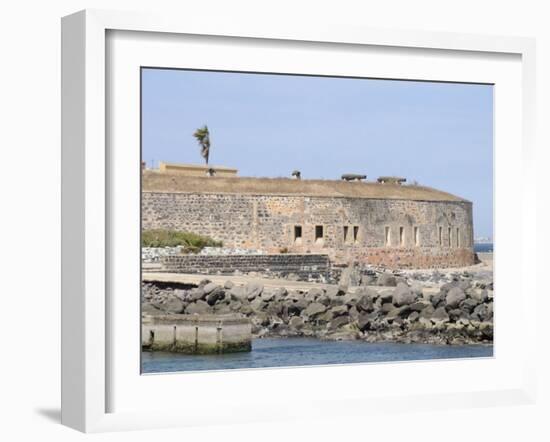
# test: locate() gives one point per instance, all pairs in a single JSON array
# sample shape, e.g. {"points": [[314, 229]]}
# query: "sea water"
{"points": [[289, 352]]}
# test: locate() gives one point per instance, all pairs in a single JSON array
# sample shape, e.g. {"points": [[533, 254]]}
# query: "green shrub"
{"points": [[191, 242]]}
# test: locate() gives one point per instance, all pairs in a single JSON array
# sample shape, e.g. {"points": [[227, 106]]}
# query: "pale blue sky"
{"points": [[439, 134]]}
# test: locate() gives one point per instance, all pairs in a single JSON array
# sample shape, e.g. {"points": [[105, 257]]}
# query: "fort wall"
{"points": [[395, 232]]}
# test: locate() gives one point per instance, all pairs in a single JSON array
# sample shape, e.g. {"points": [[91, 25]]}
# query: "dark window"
{"points": [[346, 233], [318, 232], [355, 233], [297, 232]]}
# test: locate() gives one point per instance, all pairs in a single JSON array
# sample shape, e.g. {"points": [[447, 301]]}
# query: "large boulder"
{"points": [[338, 322], [402, 295], [334, 290], [454, 297], [171, 304], [314, 309], [210, 287], [386, 279], [237, 292], [215, 296], [338, 311], [195, 294], [469, 304], [440, 316], [149, 309], [296, 322], [199, 307], [267, 296], [314, 293], [253, 289]]}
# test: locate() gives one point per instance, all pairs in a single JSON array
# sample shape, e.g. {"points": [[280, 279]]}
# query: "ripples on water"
{"points": [[281, 352]]}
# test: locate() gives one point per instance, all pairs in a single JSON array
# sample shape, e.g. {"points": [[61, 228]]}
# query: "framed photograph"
{"points": [[252, 212]]}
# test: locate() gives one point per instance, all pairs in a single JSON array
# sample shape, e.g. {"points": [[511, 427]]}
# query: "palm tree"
{"points": [[203, 137]]}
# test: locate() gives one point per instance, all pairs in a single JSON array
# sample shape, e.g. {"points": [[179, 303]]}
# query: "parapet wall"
{"points": [[305, 266]]}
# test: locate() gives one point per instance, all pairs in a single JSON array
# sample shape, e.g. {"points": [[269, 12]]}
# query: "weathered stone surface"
{"points": [[454, 297], [339, 310], [215, 296], [171, 304], [403, 295], [314, 309], [199, 307], [386, 279], [210, 287], [296, 322], [440, 315], [338, 322], [253, 289]]}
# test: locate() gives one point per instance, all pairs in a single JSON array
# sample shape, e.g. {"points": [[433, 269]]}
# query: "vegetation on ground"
{"points": [[191, 242]]}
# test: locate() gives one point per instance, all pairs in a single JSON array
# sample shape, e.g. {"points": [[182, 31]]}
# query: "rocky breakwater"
{"points": [[390, 308]]}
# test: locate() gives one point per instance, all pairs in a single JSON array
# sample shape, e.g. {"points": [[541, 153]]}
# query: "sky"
{"points": [[437, 134]]}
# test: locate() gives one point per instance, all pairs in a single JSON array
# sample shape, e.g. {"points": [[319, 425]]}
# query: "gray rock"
{"points": [[253, 289], [353, 313], [387, 307], [195, 294], [267, 296], [469, 304], [413, 316], [437, 300], [228, 284], [333, 291], [420, 305], [296, 322], [210, 287], [440, 316], [181, 294], [427, 312], [386, 279], [454, 297], [481, 311], [338, 322], [237, 292], [403, 295], [215, 296], [417, 288], [366, 321], [314, 293], [149, 309], [455, 314], [171, 304], [280, 293], [339, 311], [314, 309], [199, 307]]}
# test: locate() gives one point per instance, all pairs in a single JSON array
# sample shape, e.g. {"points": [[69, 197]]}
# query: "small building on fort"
{"points": [[380, 223]]}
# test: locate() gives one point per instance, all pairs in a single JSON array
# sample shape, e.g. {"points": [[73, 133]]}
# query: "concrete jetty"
{"points": [[196, 334]]}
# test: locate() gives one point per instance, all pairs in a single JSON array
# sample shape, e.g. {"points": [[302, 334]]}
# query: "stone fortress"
{"points": [[383, 223]]}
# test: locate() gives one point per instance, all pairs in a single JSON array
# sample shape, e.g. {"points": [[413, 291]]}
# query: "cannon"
{"points": [[353, 177]]}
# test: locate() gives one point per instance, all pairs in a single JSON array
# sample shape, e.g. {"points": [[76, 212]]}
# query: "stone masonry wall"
{"points": [[391, 232], [305, 266]]}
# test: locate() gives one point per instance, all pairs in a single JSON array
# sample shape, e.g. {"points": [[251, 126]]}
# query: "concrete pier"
{"points": [[196, 334]]}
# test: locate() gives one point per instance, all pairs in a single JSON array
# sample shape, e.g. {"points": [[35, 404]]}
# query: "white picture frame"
{"points": [[87, 207]]}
